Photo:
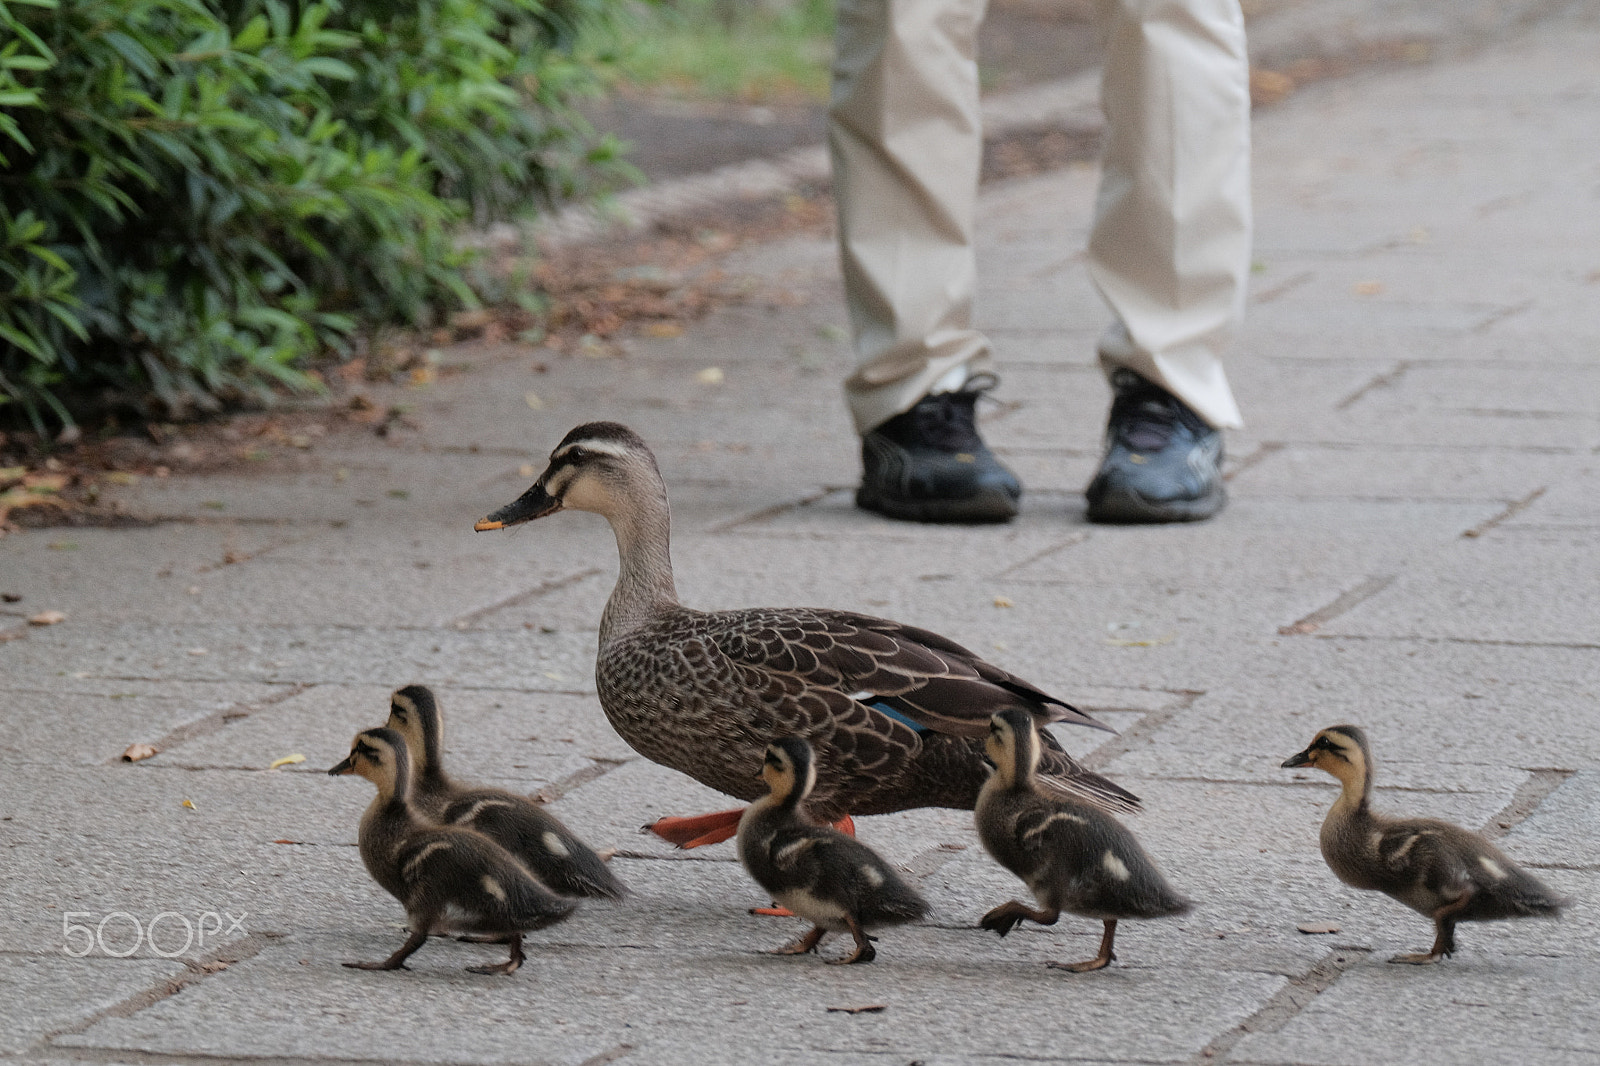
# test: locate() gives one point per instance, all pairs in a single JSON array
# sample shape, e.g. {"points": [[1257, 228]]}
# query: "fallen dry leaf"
{"points": [[711, 375], [287, 760], [1298, 629], [1367, 288], [1001, 601], [139, 752], [189, 804], [1314, 928], [47, 618], [871, 1008]]}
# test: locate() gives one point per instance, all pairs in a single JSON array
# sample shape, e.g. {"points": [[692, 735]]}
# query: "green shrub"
{"points": [[195, 195]]}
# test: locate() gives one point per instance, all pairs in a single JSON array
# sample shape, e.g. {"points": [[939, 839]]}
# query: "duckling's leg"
{"points": [[864, 951], [1005, 917], [397, 961], [1444, 933], [511, 965], [804, 944], [699, 830], [1100, 961]]}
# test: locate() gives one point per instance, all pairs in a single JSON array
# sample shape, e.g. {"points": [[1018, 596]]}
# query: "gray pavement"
{"points": [[1410, 545]]}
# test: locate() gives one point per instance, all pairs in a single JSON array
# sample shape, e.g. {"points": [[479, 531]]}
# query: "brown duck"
{"points": [[896, 715]]}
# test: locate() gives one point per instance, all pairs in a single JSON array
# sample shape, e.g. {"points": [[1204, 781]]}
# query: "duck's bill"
{"points": [[348, 766], [1297, 759], [535, 503]]}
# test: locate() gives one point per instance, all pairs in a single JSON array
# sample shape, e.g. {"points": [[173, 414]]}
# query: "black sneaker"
{"points": [[930, 465], [1162, 462]]}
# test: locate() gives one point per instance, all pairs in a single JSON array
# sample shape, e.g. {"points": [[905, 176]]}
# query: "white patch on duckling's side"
{"points": [[1061, 816], [1496, 871], [874, 878], [478, 808], [1114, 867], [786, 855], [553, 844], [823, 912], [417, 859], [1400, 852], [491, 886]]}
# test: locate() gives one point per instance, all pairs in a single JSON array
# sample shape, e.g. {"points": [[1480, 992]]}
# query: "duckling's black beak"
{"points": [[535, 503], [348, 766], [1299, 759]]}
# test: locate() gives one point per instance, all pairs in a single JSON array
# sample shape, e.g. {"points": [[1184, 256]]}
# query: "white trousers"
{"points": [[1170, 245]]}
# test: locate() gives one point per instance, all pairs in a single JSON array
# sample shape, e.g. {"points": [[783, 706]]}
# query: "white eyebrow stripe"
{"points": [[605, 446]]}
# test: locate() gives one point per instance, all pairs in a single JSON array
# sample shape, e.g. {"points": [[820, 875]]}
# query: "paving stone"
{"points": [[1510, 589], [35, 1008], [1470, 1009], [1561, 830]]}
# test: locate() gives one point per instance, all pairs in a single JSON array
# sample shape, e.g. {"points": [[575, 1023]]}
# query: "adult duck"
{"points": [[897, 715]]}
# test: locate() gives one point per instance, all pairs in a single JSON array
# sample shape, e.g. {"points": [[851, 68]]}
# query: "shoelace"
{"points": [[948, 420], [1145, 416]]}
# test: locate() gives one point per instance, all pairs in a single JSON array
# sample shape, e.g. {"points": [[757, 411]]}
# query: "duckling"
{"points": [[1437, 869], [1074, 856], [448, 878], [540, 839], [830, 879]]}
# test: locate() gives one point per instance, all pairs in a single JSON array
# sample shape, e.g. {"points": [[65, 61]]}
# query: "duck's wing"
{"points": [[925, 680]]}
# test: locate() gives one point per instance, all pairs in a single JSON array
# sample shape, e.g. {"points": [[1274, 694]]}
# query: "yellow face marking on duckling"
{"points": [[1114, 866], [553, 844], [491, 886]]}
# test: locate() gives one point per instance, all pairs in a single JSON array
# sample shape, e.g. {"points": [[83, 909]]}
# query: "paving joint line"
{"points": [[1264, 451], [544, 588], [217, 721], [596, 769], [1387, 379], [925, 864], [1284, 287], [1533, 791], [1510, 510], [1139, 732], [1479, 642], [604, 1057], [229, 954], [127, 1057], [1287, 1002], [1072, 541], [1345, 601], [766, 514]]}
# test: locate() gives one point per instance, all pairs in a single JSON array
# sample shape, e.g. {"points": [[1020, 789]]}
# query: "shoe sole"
{"points": [[984, 508], [1129, 508]]}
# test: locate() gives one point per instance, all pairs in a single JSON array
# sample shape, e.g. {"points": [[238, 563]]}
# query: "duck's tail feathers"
{"points": [[1085, 786]]}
